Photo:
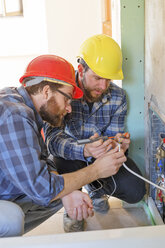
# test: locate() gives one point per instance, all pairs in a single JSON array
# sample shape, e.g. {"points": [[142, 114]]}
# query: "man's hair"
{"points": [[83, 63], [35, 89]]}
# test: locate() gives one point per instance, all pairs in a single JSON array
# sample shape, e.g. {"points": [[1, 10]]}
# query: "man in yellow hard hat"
{"points": [[101, 112], [30, 189]]}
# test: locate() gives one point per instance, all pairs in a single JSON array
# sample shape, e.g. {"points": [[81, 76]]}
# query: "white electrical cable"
{"points": [[101, 186], [134, 173], [97, 188], [114, 185]]}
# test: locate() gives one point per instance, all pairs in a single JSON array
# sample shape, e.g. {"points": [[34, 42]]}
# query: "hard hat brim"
{"points": [[78, 93]]}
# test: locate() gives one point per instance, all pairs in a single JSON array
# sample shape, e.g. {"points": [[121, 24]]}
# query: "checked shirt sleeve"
{"points": [[62, 145], [22, 162]]}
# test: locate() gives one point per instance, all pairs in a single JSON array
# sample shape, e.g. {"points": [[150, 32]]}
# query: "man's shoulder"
{"points": [[10, 94], [11, 103], [116, 90]]}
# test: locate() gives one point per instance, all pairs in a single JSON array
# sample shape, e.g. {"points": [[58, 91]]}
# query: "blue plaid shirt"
{"points": [[24, 167], [106, 118]]}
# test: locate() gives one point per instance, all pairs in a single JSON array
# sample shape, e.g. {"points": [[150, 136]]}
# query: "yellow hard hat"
{"points": [[103, 56]]}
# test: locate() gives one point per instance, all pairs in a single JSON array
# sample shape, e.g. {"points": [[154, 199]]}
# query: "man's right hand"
{"points": [[105, 166], [109, 164], [97, 148]]}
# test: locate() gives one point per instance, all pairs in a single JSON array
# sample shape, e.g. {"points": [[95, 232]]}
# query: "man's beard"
{"points": [[88, 95], [54, 120]]}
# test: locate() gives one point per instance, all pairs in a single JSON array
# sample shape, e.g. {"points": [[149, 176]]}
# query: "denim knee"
{"points": [[11, 219]]}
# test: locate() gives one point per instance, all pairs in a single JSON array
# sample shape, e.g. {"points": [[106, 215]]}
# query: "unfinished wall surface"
{"points": [[154, 64], [132, 44], [155, 52]]}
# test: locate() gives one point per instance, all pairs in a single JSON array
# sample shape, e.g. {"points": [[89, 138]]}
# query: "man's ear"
{"points": [[80, 70], [46, 92]]}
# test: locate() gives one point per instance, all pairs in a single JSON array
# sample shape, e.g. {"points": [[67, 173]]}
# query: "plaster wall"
{"points": [[22, 39], [24, 35], [155, 52], [69, 23], [47, 26], [154, 65]]}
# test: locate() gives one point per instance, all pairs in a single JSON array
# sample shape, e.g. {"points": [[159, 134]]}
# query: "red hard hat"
{"points": [[55, 68]]}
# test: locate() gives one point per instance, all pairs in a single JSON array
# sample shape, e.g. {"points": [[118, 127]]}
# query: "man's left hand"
{"points": [[123, 139], [78, 205]]}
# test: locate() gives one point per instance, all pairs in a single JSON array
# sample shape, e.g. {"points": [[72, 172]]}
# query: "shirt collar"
{"points": [[107, 96], [22, 91]]}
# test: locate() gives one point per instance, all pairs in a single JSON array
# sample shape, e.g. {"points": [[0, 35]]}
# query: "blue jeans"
{"points": [[22, 215], [11, 219]]}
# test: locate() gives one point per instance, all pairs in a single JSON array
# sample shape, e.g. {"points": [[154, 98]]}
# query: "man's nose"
{"points": [[103, 84], [69, 108]]}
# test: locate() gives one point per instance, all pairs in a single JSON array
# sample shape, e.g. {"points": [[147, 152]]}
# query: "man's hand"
{"points": [[97, 148], [124, 139], [78, 205], [109, 164]]}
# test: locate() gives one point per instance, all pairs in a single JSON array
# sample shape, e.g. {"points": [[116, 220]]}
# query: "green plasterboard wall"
{"points": [[132, 44]]}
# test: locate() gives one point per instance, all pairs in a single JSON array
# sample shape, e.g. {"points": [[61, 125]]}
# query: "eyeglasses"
{"points": [[68, 98]]}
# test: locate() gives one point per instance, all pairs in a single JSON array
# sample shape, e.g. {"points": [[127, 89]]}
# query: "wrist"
{"points": [[94, 171], [86, 153]]}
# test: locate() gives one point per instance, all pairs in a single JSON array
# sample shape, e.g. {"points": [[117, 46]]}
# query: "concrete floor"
{"points": [[119, 216]]}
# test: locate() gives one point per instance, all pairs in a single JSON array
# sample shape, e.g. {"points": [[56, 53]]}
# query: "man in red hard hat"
{"points": [[31, 190]]}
